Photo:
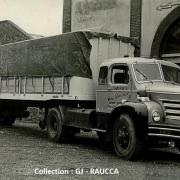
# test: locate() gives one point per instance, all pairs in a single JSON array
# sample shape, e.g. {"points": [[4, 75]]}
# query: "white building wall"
{"points": [[105, 16]]}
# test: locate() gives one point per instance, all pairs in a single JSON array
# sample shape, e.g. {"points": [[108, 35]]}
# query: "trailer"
{"points": [[52, 68]]}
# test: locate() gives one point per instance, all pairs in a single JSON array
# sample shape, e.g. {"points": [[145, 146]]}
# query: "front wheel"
{"points": [[126, 143], [55, 129]]}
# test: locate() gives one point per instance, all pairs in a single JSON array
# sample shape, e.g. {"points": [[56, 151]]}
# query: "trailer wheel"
{"points": [[55, 129], [126, 143]]}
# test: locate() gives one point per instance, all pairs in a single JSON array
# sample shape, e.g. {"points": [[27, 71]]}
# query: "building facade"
{"points": [[155, 23]]}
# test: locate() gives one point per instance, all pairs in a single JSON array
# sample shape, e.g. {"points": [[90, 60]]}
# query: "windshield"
{"points": [[147, 72], [171, 74]]}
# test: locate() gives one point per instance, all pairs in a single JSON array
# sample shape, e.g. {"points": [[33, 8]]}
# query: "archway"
{"points": [[166, 43]]}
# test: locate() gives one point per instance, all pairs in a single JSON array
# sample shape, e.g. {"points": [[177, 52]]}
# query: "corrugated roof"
{"points": [[10, 32]]}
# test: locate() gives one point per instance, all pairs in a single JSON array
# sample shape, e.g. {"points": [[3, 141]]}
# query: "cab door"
{"points": [[117, 88]]}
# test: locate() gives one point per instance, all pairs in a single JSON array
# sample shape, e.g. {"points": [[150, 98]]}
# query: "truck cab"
{"points": [[137, 104], [139, 100]]}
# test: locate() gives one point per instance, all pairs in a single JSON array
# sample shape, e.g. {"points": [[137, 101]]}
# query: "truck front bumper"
{"points": [[164, 131]]}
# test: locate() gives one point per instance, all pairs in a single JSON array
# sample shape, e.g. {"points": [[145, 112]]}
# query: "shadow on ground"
{"points": [[91, 142]]}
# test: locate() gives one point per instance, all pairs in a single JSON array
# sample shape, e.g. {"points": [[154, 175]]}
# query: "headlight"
{"points": [[156, 116]]}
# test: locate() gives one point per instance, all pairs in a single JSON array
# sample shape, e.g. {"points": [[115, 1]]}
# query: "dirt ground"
{"points": [[25, 151]]}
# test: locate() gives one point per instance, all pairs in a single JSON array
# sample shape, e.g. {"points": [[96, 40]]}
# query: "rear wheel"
{"points": [[126, 143], [55, 129]]}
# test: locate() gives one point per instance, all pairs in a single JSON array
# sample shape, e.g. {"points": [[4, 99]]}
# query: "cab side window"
{"points": [[103, 75], [120, 74]]}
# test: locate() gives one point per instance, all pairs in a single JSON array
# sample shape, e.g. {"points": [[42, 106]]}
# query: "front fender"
{"points": [[152, 107], [138, 108], [138, 112]]}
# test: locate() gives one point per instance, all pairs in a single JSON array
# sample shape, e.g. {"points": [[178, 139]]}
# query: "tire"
{"points": [[126, 143], [55, 129]]}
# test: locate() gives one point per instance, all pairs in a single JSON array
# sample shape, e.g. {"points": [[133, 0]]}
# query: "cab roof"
{"points": [[131, 60]]}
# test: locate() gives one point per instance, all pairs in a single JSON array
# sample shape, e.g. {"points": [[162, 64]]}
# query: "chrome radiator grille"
{"points": [[172, 109]]}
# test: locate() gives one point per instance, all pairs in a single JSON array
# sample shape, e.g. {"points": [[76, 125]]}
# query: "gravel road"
{"points": [[26, 153]]}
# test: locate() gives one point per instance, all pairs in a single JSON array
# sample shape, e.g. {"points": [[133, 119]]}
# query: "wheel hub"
{"points": [[123, 137]]}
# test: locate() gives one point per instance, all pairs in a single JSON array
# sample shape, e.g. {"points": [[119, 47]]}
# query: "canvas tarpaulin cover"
{"points": [[61, 55]]}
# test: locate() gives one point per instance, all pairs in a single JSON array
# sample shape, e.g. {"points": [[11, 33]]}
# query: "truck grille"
{"points": [[172, 109]]}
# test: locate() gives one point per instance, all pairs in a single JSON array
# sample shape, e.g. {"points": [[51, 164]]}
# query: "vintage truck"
{"points": [[91, 81]]}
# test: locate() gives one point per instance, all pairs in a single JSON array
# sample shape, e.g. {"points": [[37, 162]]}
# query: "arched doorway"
{"points": [[166, 43]]}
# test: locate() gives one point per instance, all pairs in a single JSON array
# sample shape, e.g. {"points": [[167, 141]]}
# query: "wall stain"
{"points": [[86, 6]]}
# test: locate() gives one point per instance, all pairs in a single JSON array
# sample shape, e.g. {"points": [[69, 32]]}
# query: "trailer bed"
{"points": [[35, 87], [62, 67]]}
